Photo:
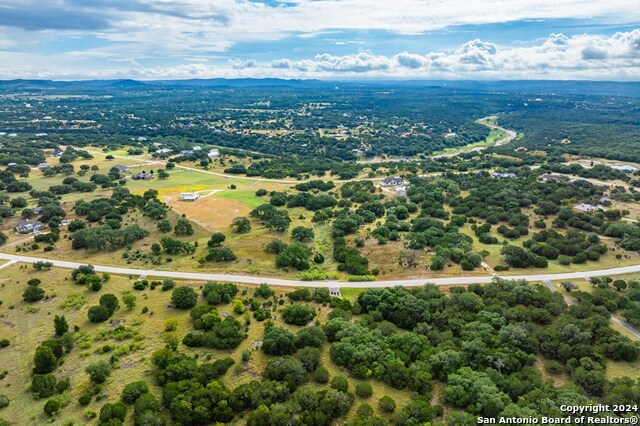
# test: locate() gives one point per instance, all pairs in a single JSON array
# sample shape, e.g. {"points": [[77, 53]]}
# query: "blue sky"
{"points": [[327, 39]]}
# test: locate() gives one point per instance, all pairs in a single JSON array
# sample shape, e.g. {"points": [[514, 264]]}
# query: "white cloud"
{"points": [[615, 57]]}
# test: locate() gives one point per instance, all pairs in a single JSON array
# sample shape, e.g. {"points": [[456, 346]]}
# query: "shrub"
{"points": [[184, 297], [98, 314], [98, 371], [117, 411], [133, 390], [146, 402], [264, 291], [364, 410], [110, 302], [4, 400], [340, 383], [364, 390], [51, 407], [387, 404], [321, 375], [310, 358], [4, 343], [33, 294], [168, 284]]}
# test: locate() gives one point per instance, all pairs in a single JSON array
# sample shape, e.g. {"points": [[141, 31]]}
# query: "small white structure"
{"points": [[196, 148], [625, 167], [164, 151], [499, 175], [214, 153], [335, 292], [186, 152], [189, 196], [142, 139], [401, 191]]}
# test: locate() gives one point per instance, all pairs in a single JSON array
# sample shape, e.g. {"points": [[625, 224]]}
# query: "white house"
{"points": [[189, 196], [214, 153], [589, 208], [624, 168], [28, 226], [196, 148], [401, 191], [392, 181], [504, 175]]}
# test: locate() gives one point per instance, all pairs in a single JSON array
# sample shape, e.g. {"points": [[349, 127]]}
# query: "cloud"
{"points": [[557, 57]]}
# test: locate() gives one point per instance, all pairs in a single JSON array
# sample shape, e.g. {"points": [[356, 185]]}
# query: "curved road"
{"points": [[250, 279]]}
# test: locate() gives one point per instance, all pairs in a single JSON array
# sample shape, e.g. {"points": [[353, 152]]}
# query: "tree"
{"points": [[129, 300], [264, 291], [288, 370], [298, 314], [110, 302], [569, 286], [295, 255], [164, 226], [183, 227], [408, 259], [3, 238], [98, 313], [302, 234], [133, 390], [310, 336], [98, 371], [278, 341], [60, 324], [33, 294], [184, 297], [51, 407], [45, 360], [221, 254], [216, 240], [620, 285], [241, 225]]}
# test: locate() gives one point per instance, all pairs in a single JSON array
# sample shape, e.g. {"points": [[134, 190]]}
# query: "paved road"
{"points": [[249, 279]]}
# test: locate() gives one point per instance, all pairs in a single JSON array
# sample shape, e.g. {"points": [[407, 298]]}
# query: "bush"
{"points": [[220, 254], [98, 314], [387, 404], [364, 390], [133, 390], [117, 411], [4, 343], [146, 402], [184, 297], [310, 358], [364, 410], [51, 407], [4, 400], [33, 294], [85, 398], [340, 383], [321, 375], [43, 385], [264, 291], [110, 302], [168, 284], [98, 371]]}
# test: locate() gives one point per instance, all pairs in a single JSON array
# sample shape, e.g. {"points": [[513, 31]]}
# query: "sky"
{"points": [[321, 39]]}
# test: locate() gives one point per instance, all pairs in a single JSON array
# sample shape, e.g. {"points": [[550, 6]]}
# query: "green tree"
{"points": [[98, 371], [60, 325], [32, 294], [216, 240], [302, 234], [241, 225], [184, 297], [129, 300], [298, 314], [278, 341], [183, 227]]}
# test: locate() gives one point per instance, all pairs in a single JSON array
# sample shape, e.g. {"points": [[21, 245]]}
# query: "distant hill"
{"points": [[533, 87]]}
